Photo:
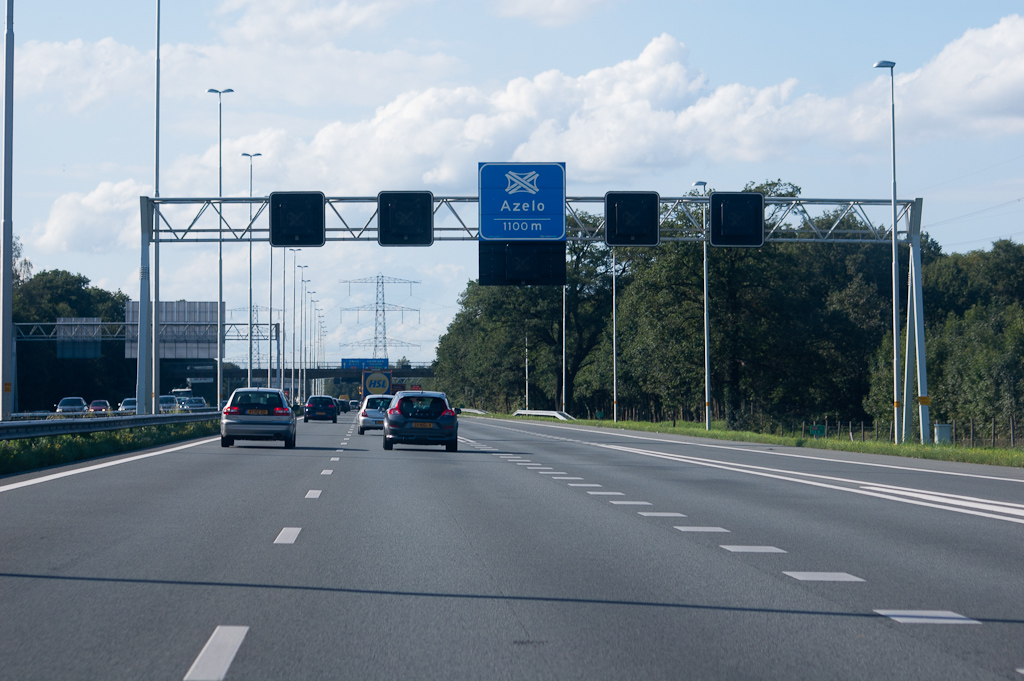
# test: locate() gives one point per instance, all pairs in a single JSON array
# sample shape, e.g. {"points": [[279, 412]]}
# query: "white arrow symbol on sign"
{"points": [[522, 182]]}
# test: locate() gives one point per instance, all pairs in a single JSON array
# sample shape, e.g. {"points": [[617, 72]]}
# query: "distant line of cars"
{"points": [[407, 417], [167, 403]]}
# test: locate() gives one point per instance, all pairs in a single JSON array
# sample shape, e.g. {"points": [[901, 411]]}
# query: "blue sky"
{"points": [[360, 96]]}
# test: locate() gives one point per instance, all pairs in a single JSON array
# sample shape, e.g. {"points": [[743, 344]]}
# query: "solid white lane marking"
{"points": [[313, 494], [660, 514], [927, 617], [583, 484], [608, 494], [570, 478], [955, 499], [288, 535], [557, 473], [87, 469], [694, 528], [752, 549], [608, 431], [326, 471], [217, 655], [792, 476], [632, 503], [823, 576]]}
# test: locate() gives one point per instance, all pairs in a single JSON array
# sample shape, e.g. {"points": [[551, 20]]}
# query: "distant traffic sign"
{"points": [[522, 201]]}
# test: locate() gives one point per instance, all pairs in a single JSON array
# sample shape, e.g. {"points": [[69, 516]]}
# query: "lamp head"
{"points": [[884, 64]]}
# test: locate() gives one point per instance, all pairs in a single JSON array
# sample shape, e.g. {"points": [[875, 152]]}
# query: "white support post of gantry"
{"points": [[144, 387], [915, 330]]}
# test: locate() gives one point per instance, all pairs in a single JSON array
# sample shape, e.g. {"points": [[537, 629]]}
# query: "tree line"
{"points": [[799, 331]]}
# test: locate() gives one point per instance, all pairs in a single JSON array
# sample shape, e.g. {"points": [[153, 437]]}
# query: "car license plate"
{"points": [[321, 413], [423, 425], [378, 423], [257, 412]]}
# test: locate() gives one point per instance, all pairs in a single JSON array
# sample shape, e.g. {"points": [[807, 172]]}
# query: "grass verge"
{"points": [[19, 456], [983, 455]]}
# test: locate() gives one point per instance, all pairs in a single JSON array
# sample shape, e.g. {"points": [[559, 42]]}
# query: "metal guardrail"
{"points": [[16, 430], [560, 415]]}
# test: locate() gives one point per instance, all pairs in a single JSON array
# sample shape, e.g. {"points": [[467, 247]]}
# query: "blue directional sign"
{"points": [[522, 201]]}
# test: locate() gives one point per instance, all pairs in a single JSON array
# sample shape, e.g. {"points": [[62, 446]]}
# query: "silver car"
{"points": [[72, 405], [257, 414], [371, 413]]}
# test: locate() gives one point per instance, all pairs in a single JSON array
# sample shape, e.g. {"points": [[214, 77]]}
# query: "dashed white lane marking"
{"points": [[985, 508], [527, 463], [694, 528], [583, 484], [326, 471], [823, 576], [288, 535], [660, 514], [928, 617], [632, 503], [608, 494], [313, 494], [566, 478], [752, 549], [335, 458], [556, 473], [217, 655], [538, 468]]}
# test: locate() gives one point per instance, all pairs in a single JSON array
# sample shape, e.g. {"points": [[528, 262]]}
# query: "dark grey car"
{"points": [[421, 418], [257, 414]]}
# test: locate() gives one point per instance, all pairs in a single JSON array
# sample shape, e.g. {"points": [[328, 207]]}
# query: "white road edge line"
{"points": [[108, 464], [217, 655]]}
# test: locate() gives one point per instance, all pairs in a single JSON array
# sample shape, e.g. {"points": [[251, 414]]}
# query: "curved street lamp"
{"points": [[251, 156], [220, 240], [897, 428]]}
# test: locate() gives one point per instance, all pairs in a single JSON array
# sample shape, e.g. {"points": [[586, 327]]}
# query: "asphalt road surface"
{"points": [[537, 551]]}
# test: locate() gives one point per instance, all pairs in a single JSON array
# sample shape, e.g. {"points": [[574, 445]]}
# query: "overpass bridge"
{"points": [[404, 372]]}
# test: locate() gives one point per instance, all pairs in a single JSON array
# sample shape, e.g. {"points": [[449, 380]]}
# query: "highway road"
{"points": [[538, 551]]}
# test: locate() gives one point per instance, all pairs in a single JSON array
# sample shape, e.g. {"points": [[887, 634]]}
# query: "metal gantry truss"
{"points": [[787, 219], [355, 219]]}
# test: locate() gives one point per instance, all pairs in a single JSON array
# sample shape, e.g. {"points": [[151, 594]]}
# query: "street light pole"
{"points": [[707, 316], [296, 278], [897, 428], [220, 241], [250, 156]]}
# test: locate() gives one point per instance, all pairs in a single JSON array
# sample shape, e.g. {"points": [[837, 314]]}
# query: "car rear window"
{"points": [[422, 407], [378, 402], [265, 399], [321, 401]]}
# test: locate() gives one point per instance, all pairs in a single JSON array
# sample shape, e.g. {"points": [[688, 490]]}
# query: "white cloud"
{"points": [[82, 73], [549, 13], [269, 22], [976, 84], [103, 220]]}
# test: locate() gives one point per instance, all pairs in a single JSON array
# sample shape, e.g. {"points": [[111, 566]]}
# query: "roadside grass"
{"points": [[982, 455], [19, 456]]}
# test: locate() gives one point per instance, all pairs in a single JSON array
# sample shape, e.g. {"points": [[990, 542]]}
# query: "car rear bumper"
{"points": [[257, 430]]}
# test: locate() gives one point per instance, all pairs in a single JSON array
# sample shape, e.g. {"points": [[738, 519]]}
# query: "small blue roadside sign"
{"points": [[522, 201]]}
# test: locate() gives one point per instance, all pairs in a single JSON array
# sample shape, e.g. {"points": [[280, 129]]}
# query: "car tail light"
{"points": [[364, 414], [447, 412], [282, 410], [395, 411], [230, 410]]}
